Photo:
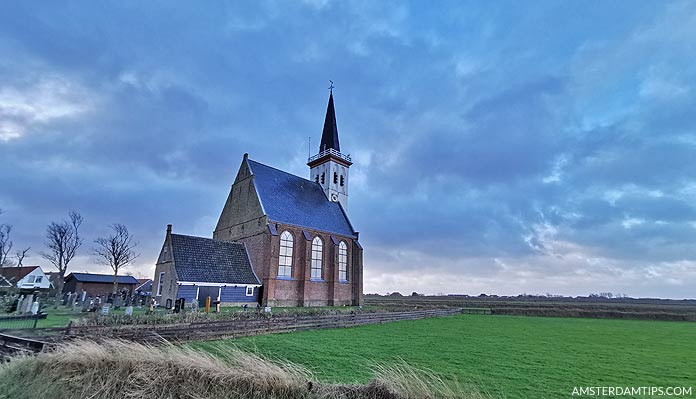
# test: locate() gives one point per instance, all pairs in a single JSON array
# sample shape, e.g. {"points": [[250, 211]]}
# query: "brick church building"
{"points": [[299, 247]]}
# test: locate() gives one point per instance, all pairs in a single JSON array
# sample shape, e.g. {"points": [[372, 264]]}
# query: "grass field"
{"points": [[504, 356]]}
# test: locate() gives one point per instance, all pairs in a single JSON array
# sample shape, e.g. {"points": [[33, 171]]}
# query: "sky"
{"points": [[499, 147]]}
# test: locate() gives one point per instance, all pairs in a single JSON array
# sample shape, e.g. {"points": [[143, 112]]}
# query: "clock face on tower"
{"points": [[334, 197]]}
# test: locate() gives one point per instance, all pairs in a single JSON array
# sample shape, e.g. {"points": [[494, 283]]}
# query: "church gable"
{"points": [[242, 214]]}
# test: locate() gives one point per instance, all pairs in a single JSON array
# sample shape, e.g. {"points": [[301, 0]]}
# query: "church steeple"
{"points": [[329, 137], [329, 167]]}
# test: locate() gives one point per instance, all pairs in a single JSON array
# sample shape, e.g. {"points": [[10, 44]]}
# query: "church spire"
{"points": [[329, 167], [329, 137]]}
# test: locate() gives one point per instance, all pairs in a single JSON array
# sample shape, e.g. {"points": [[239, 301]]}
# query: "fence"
{"points": [[181, 332], [10, 345], [247, 327], [20, 322]]}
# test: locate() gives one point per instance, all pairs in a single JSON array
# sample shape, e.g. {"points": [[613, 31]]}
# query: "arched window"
{"points": [[342, 261], [317, 251], [342, 180], [335, 178], [285, 255]]}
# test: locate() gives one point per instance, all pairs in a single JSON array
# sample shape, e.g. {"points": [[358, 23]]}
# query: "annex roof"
{"points": [[199, 259]]}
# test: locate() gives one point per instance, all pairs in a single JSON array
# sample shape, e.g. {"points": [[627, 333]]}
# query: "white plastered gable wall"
{"points": [[30, 280]]}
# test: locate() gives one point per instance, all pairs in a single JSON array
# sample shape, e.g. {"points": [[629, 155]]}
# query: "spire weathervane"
{"points": [[332, 86]]}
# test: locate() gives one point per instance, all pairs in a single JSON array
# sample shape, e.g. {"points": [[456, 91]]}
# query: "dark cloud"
{"points": [[497, 149]]}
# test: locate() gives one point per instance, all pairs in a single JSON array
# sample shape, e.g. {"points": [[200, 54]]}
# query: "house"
{"points": [[28, 278], [295, 231], [98, 284], [195, 268]]}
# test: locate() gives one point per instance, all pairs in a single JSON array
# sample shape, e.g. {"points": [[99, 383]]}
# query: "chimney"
{"points": [[169, 229]]}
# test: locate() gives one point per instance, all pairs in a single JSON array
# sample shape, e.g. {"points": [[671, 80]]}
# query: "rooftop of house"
{"points": [[145, 284], [204, 260], [101, 278], [14, 274], [293, 200]]}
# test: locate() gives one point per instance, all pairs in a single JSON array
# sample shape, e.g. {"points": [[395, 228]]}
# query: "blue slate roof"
{"points": [[199, 259], [101, 278], [290, 199]]}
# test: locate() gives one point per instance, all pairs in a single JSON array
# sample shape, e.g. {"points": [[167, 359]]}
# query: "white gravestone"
{"points": [[35, 307]]}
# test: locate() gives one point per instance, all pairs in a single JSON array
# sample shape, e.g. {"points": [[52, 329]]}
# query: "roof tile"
{"points": [[199, 259], [290, 199]]}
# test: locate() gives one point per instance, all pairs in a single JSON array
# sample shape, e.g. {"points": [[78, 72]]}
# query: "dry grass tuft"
{"points": [[120, 369]]}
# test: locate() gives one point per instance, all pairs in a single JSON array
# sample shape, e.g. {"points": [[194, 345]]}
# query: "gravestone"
{"points": [[86, 304], [73, 299], [105, 309], [35, 307], [28, 301], [20, 304], [129, 310]]}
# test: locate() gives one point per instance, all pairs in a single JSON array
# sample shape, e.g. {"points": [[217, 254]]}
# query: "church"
{"points": [[281, 240]]}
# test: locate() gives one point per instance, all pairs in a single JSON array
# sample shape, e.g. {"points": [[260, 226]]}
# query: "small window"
{"points": [[249, 291], [342, 180], [317, 178], [335, 178], [30, 279], [39, 279], [322, 178], [317, 250], [160, 284]]}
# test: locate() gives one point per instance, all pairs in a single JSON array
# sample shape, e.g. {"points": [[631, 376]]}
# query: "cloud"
{"points": [[496, 149], [37, 104]]}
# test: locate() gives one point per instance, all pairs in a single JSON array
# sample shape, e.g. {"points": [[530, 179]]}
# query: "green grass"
{"points": [[505, 356]]}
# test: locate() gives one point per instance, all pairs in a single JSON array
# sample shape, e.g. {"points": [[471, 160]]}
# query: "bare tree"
{"points": [[62, 243], [5, 244], [21, 254], [116, 250]]}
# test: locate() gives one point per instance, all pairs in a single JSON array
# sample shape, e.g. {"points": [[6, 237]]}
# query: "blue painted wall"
{"points": [[227, 294], [238, 294], [188, 292]]}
